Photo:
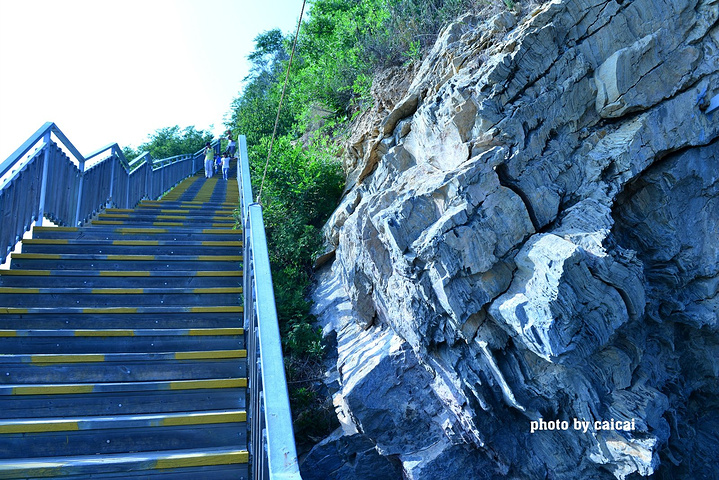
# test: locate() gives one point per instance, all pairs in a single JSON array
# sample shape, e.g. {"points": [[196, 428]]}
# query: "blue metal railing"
{"points": [[271, 439], [47, 183]]}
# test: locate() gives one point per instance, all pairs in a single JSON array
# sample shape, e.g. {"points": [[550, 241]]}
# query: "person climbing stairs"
{"points": [[122, 352]]}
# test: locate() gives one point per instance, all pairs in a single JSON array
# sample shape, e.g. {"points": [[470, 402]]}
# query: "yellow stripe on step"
{"points": [[139, 243], [117, 291], [225, 309], [219, 273], [129, 273], [55, 229], [223, 231], [219, 258], [110, 310], [211, 354], [19, 290], [130, 257], [24, 426], [141, 230], [218, 290], [171, 217], [202, 460], [200, 384], [37, 256], [105, 333], [28, 273], [46, 241], [51, 389], [80, 358], [204, 419], [216, 331]]}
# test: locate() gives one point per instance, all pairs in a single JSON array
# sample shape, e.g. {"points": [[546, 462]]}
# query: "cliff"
{"points": [[526, 260]]}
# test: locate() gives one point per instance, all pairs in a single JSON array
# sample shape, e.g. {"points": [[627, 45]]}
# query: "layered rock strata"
{"points": [[527, 257]]}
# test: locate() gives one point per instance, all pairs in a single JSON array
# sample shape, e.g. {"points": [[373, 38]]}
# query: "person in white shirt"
{"points": [[231, 146], [225, 165]]}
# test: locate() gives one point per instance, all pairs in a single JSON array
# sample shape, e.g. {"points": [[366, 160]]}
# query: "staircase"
{"points": [[121, 348]]}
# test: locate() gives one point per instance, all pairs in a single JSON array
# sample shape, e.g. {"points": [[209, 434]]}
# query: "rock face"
{"points": [[527, 260]]}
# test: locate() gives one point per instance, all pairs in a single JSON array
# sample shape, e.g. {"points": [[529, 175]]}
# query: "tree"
{"points": [[130, 153], [170, 141], [268, 56], [254, 112]]}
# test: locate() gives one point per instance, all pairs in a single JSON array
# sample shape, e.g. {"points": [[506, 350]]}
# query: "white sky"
{"points": [[109, 71]]}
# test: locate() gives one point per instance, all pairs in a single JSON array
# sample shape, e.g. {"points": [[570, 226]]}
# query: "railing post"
{"points": [[112, 176], [81, 167], [43, 185], [127, 190], [148, 177]]}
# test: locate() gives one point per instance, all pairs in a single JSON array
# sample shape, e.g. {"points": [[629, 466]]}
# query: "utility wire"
{"points": [[282, 96]]}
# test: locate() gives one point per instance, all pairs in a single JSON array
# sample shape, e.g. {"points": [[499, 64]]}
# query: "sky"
{"points": [[107, 71]]}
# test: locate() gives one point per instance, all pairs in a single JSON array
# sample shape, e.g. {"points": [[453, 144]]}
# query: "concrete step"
{"points": [[162, 209], [113, 233], [119, 279], [207, 206], [205, 464], [121, 398], [52, 261], [119, 317], [201, 216], [63, 436], [140, 217], [165, 223], [69, 341], [131, 247], [28, 369], [126, 297]]}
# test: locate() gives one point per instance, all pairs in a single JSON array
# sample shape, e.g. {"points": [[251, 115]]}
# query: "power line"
{"points": [[279, 107]]}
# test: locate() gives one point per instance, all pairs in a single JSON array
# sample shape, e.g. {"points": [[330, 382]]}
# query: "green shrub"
{"points": [[300, 191]]}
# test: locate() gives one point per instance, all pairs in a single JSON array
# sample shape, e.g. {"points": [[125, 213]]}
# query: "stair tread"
{"points": [[39, 424], [129, 257], [120, 332], [147, 243], [120, 310], [130, 230], [123, 273], [53, 358], [116, 291], [140, 386], [162, 459]]}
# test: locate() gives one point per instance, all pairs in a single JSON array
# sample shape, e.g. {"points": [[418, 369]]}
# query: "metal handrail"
{"points": [[271, 439], [49, 184]]}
